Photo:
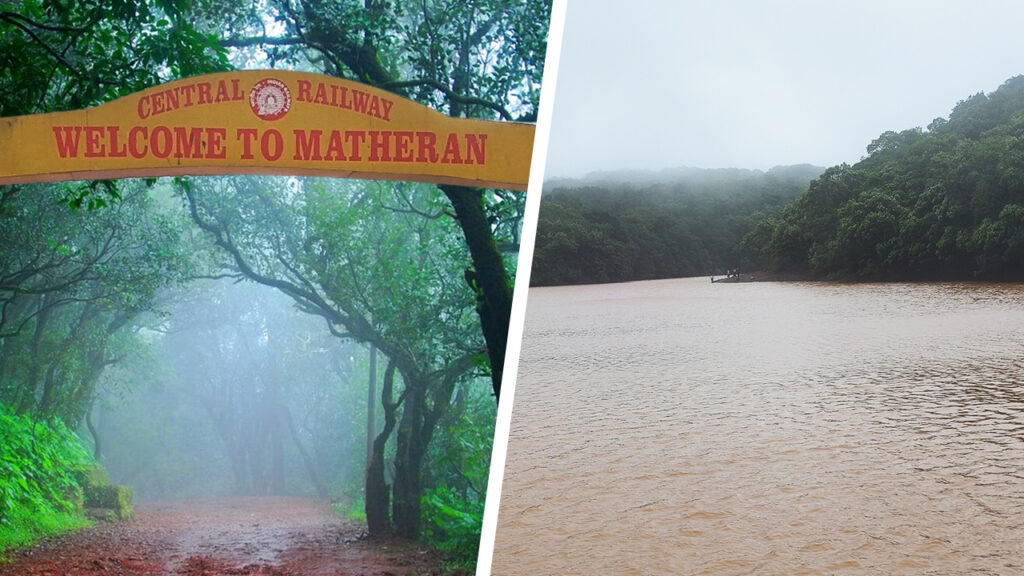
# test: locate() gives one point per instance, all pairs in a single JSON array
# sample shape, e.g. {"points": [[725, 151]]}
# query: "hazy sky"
{"points": [[651, 84]]}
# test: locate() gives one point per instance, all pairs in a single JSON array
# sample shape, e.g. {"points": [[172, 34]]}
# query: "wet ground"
{"points": [[226, 537]]}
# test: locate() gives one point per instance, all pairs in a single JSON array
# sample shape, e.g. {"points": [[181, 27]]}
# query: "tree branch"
{"points": [[262, 41], [451, 94]]}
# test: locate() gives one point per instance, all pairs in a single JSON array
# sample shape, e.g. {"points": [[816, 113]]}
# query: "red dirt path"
{"points": [[225, 537]]}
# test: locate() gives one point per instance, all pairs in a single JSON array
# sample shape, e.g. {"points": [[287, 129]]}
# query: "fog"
{"points": [[236, 393], [756, 84]]}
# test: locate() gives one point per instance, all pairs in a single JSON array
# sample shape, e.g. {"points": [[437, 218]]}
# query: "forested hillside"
{"points": [[941, 203], [618, 227]]}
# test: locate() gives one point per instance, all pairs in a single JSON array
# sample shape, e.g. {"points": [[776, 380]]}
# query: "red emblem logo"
{"points": [[270, 99]]}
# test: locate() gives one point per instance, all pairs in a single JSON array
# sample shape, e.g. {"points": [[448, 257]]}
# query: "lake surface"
{"points": [[684, 427]]}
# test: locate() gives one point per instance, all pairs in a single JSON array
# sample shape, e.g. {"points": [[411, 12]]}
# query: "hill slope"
{"points": [[941, 203], [622, 226]]}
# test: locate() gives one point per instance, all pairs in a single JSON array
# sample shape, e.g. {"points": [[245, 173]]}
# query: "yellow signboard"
{"points": [[265, 122]]}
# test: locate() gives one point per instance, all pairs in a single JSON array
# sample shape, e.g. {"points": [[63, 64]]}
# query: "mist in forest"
{"points": [[254, 336], [236, 393]]}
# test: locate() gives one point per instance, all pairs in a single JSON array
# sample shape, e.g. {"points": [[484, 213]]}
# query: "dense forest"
{"points": [[259, 335], [942, 203], [617, 227]]}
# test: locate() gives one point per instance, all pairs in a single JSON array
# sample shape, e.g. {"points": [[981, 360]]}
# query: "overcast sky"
{"points": [[651, 84]]}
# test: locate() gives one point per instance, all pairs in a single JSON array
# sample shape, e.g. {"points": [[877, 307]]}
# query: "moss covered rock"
{"points": [[113, 497]]}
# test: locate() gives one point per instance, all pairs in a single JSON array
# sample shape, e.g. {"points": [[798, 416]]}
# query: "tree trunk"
{"points": [[276, 438], [371, 408], [97, 450], [488, 278], [408, 482], [314, 476], [377, 497]]}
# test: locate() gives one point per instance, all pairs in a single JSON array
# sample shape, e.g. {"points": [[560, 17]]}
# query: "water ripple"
{"points": [[679, 427]]}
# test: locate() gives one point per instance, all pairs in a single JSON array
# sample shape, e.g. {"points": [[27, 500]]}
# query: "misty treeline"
{"points": [[103, 286], [618, 227], [141, 323], [942, 203]]}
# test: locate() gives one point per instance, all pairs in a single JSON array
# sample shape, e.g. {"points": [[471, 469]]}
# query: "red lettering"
{"points": [[93, 145], [387, 109], [161, 141], [204, 93], [237, 91], [133, 141], [67, 144], [246, 135], [374, 107], [475, 148], [427, 144], [334, 147], [144, 107], [172, 99], [187, 144], [158, 103], [346, 104], [452, 154], [304, 88], [359, 101], [215, 145], [403, 140], [222, 91], [356, 138], [307, 146], [115, 152], [380, 149], [271, 136], [321, 94], [189, 91]]}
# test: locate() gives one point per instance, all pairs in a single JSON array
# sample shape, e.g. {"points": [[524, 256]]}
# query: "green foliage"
{"points": [[353, 510], [941, 204], [38, 487], [460, 463], [115, 498], [68, 55], [72, 283], [453, 525], [26, 526], [686, 224]]}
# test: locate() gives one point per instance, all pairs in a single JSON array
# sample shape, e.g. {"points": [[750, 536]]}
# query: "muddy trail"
{"points": [[229, 537]]}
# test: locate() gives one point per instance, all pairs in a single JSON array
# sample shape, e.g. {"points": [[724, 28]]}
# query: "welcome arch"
{"points": [[265, 122], [282, 123]]}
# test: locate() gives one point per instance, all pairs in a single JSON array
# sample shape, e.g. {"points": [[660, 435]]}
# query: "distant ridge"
{"points": [[687, 174], [624, 225]]}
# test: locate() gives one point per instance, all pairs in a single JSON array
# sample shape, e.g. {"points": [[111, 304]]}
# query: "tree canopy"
{"points": [[630, 226], [944, 202]]}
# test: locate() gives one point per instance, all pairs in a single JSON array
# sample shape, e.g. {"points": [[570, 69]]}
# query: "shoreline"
{"points": [[764, 276]]}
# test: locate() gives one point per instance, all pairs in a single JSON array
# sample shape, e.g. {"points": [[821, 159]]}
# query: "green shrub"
{"points": [[453, 525], [39, 490], [111, 497]]}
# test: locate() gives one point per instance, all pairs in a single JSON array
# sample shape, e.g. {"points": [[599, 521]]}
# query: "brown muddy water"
{"points": [[684, 427]]}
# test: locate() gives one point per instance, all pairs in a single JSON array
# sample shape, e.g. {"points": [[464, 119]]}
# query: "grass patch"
{"points": [[24, 526], [351, 510]]}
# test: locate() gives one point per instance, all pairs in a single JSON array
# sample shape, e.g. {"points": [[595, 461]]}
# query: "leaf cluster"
{"points": [[37, 464]]}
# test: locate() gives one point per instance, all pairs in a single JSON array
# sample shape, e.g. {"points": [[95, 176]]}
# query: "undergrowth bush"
{"points": [[453, 526], [38, 491]]}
